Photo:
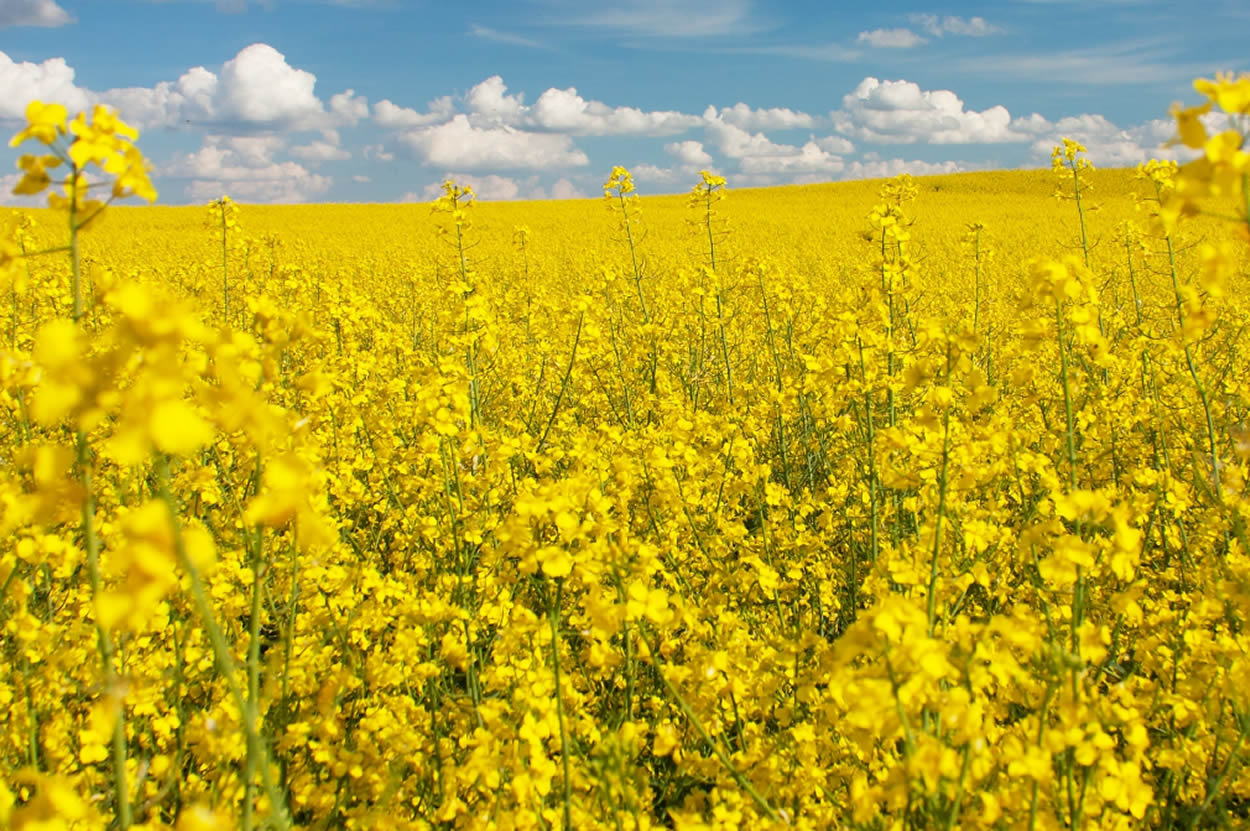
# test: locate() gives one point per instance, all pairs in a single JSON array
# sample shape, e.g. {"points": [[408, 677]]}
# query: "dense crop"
{"points": [[905, 504]]}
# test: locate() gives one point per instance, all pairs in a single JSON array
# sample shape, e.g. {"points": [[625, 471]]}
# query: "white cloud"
{"points": [[320, 151], [361, 180], [755, 180], [490, 101], [759, 157], [377, 153], [51, 82], [258, 86], [349, 107], [738, 143], [190, 98], [243, 169], [387, 114], [649, 175], [835, 144], [828, 52], [950, 25], [252, 151], [809, 158], [487, 187], [563, 110], [891, 38], [33, 13], [459, 144], [487, 33], [885, 168], [564, 189], [690, 153], [1144, 61], [664, 18], [900, 112], [257, 90], [491, 187], [776, 118], [1106, 143]]}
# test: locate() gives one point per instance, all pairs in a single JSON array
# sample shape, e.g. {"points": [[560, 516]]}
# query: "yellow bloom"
{"points": [[45, 123]]}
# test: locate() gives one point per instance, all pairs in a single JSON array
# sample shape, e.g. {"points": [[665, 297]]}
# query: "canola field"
{"points": [[899, 504]]}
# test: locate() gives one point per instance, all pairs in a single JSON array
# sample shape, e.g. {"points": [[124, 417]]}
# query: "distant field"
{"points": [[880, 504]]}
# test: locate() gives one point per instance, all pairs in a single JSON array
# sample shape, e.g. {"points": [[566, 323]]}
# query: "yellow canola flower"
{"points": [[1232, 94], [177, 428], [645, 603], [284, 492], [555, 561], [35, 176], [44, 123]]}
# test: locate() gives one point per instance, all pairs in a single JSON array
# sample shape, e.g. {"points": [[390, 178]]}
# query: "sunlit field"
{"points": [[909, 503]]}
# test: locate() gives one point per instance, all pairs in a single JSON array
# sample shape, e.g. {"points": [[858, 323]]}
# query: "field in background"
{"points": [[872, 505]]}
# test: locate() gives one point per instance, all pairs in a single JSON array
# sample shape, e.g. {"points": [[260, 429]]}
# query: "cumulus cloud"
{"points": [[490, 101], [488, 187], [377, 153], [33, 13], [835, 144], [1106, 143], [690, 153], [810, 158], [900, 112], [251, 151], [689, 157], [459, 144], [51, 81], [388, 114], [565, 111], [257, 90], [349, 108], [320, 151], [245, 170], [951, 25], [650, 176], [737, 143], [259, 86], [886, 168], [775, 118], [491, 187], [564, 189], [891, 38], [758, 156]]}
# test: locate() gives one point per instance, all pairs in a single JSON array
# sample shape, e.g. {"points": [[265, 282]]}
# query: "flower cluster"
{"points": [[915, 512]]}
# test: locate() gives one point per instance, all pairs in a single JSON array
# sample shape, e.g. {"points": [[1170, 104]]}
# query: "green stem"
{"points": [[721, 756], [221, 651]]}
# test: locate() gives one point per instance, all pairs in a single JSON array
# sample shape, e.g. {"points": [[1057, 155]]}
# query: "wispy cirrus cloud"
{"points": [[662, 18], [939, 26], [1141, 61], [496, 36], [891, 38], [826, 52]]}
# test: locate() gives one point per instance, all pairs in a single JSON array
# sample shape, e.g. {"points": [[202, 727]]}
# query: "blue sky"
{"points": [[380, 100]]}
